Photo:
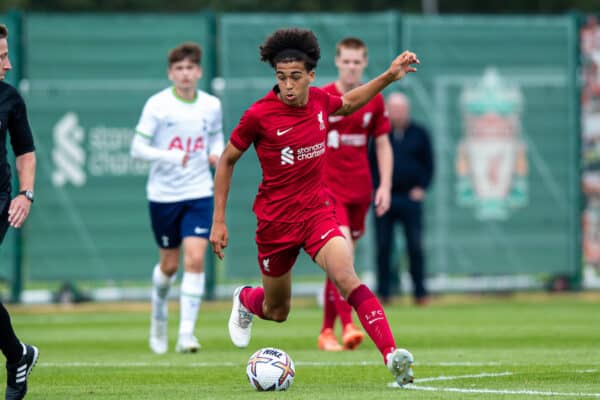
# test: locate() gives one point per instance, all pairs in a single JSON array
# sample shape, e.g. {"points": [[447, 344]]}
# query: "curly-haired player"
{"points": [[293, 207]]}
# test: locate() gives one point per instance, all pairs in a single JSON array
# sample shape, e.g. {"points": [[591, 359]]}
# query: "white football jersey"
{"points": [[195, 127]]}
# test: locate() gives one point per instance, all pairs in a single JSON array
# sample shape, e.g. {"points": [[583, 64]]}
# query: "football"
{"points": [[270, 369]]}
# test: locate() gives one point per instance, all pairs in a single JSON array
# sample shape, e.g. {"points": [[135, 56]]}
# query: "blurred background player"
{"points": [[413, 172], [180, 131], [348, 175], [293, 206], [20, 357]]}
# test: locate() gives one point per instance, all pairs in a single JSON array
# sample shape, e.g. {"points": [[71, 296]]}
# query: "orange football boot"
{"points": [[352, 337], [328, 342]]}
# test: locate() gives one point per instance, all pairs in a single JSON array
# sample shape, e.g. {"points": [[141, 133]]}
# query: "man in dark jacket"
{"points": [[413, 172], [20, 357]]}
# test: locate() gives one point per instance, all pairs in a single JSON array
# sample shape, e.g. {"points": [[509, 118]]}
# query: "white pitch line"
{"points": [[490, 391], [463, 364], [134, 364], [495, 391], [359, 363], [194, 364], [452, 378]]}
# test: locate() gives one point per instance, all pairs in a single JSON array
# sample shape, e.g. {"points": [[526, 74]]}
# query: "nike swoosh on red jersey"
{"points": [[279, 133]]}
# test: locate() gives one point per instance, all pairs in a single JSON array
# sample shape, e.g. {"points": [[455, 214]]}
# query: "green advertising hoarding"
{"points": [[88, 77], [500, 97]]}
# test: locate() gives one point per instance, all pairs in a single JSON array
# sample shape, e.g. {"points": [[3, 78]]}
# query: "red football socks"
{"points": [[373, 319], [252, 299], [329, 306], [344, 310]]}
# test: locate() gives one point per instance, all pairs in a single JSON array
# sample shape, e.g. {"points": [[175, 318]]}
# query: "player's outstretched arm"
{"points": [[358, 97], [218, 234]]}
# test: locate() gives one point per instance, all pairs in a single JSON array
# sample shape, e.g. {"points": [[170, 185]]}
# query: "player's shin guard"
{"points": [[160, 289], [192, 289], [373, 319]]}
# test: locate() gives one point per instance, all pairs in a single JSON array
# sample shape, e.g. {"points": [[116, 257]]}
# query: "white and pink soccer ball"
{"points": [[270, 369]]}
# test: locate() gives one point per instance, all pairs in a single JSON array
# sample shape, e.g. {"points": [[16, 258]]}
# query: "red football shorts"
{"points": [[279, 243], [352, 215]]}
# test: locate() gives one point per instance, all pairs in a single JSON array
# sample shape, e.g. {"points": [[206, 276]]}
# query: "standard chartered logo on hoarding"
{"points": [[68, 155], [98, 151]]}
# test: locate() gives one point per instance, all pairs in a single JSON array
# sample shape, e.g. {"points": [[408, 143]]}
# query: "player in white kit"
{"points": [[180, 132]]}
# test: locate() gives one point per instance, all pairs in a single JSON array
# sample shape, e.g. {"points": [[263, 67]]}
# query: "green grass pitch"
{"points": [[514, 347]]}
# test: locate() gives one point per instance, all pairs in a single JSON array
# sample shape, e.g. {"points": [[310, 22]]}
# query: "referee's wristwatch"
{"points": [[28, 194]]}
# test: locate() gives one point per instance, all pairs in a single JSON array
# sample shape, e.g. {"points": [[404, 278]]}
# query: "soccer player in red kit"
{"points": [[348, 175], [293, 206]]}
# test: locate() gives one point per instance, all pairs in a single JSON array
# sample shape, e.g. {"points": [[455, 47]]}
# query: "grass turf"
{"points": [[513, 347]]}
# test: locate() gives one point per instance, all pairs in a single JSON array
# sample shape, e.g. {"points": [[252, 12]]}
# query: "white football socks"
{"points": [[160, 289], [192, 289]]}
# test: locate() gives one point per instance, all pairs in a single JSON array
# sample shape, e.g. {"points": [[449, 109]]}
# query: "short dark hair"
{"points": [[189, 50], [350, 43], [289, 45], [3, 31]]}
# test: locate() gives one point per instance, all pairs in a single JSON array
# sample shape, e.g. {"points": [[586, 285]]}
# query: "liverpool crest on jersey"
{"points": [[321, 121]]}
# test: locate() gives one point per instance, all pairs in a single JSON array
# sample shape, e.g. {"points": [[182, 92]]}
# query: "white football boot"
{"points": [[400, 362], [158, 336], [187, 344], [240, 321]]}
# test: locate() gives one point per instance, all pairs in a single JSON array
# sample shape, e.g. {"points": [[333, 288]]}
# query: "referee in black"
{"points": [[20, 357]]}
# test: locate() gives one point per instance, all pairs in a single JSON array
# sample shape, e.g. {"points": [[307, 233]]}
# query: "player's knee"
{"points": [[280, 316], [195, 261], [169, 269], [346, 282], [278, 313]]}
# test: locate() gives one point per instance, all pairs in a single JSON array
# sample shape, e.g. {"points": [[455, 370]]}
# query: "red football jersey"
{"points": [[290, 145], [347, 172]]}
